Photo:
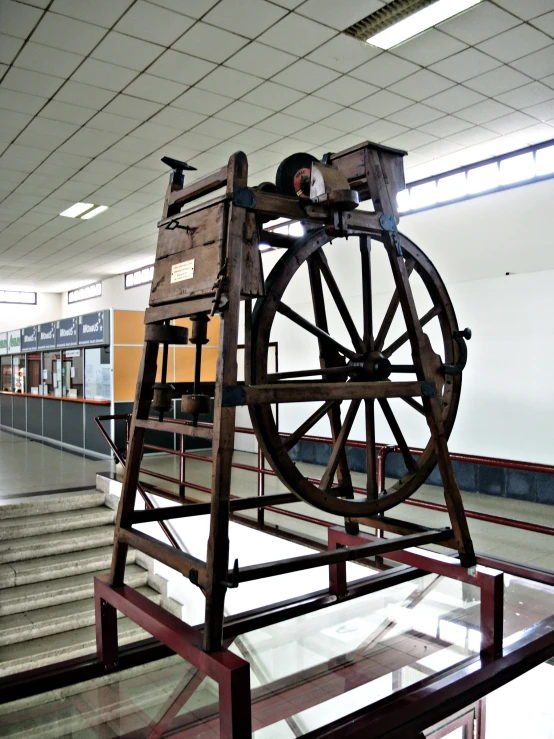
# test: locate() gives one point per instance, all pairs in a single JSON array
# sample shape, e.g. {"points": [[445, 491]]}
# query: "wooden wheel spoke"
{"points": [[323, 265], [391, 311], [404, 338], [342, 438], [371, 482], [365, 251], [415, 405], [397, 433], [340, 371], [318, 332], [294, 438]]}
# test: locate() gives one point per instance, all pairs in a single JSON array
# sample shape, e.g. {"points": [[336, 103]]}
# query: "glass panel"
{"points": [[52, 374], [33, 380], [72, 373], [452, 187], [483, 178], [544, 160], [6, 363], [517, 169], [97, 374], [18, 373], [403, 200], [424, 195]]}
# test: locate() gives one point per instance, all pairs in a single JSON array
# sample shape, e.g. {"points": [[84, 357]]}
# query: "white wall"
{"points": [[113, 295], [507, 402], [48, 308]]}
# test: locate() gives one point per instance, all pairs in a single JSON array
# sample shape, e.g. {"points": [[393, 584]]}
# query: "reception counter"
{"points": [[64, 422]]}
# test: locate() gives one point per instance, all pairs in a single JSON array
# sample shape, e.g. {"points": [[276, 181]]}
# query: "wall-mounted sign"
{"points": [[4, 343], [14, 342], [29, 339], [94, 328], [46, 336], [66, 333]]}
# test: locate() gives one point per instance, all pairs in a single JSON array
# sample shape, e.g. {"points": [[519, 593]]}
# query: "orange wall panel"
{"points": [[213, 329], [128, 326], [184, 364], [126, 368]]}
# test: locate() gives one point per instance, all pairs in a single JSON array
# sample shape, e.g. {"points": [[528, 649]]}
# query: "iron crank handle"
{"points": [[460, 337]]}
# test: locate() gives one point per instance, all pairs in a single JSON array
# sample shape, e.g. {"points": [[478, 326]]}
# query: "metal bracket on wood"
{"points": [[244, 197], [388, 223]]}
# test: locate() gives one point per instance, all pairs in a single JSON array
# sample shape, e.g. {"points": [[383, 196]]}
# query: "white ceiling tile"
{"points": [[455, 98], [155, 88], [471, 136], [526, 9], [509, 123], [105, 168], [182, 68], [38, 140], [211, 43], [346, 90], [545, 23], [49, 127], [343, 142], [317, 134], [195, 9], [244, 113], [18, 19], [132, 107], [515, 43], [289, 4], [245, 17], [445, 126], [313, 108], [295, 32], [382, 104], [59, 111], [465, 65], [416, 115], [548, 81], [100, 12], [498, 81], [271, 95], [202, 101], [385, 70], [487, 110], [343, 53], [9, 46], [155, 133], [282, 123], [479, 23], [410, 140], [537, 65], [89, 142], [218, 128], [150, 23], [197, 142], [254, 138], [305, 76], [436, 149], [40, 58], [67, 34], [264, 60], [421, 85], [101, 74], [3, 69], [181, 120], [339, 15], [117, 48], [14, 120], [31, 83], [88, 96], [349, 120], [25, 153], [542, 111], [229, 82], [429, 47], [65, 159], [527, 95]]}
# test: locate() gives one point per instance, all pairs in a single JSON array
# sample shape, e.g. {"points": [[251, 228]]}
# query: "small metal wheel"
{"points": [[330, 347]]}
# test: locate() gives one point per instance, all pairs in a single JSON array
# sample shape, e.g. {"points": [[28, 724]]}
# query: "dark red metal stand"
{"points": [[231, 672], [491, 582]]}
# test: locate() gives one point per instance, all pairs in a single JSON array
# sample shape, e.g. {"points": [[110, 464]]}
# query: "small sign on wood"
{"points": [[182, 271]]}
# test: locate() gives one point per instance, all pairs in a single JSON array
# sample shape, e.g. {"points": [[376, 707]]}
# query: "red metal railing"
{"points": [[383, 451]]}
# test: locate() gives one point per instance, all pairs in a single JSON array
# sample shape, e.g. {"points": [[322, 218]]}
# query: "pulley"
{"points": [[293, 175]]}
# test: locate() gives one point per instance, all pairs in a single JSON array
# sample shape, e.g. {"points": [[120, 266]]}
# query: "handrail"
{"points": [[383, 451]]}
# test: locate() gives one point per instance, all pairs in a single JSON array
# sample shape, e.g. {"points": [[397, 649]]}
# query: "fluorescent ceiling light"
{"points": [[77, 209], [95, 212], [452, 187], [420, 21], [545, 160], [517, 169]]}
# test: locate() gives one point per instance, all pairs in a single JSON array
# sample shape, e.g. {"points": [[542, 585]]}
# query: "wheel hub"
{"points": [[371, 368]]}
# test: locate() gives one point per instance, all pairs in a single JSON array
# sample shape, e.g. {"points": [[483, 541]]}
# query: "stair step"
{"points": [[47, 593], [55, 503], [58, 566], [51, 523], [48, 650], [15, 550], [65, 617]]}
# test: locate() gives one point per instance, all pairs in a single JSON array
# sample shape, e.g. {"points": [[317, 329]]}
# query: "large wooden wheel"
{"points": [[367, 355]]}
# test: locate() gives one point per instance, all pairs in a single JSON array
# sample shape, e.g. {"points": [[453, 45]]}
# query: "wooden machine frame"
{"points": [[208, 261]]}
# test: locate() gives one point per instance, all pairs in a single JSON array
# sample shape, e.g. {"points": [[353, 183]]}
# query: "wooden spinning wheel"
{"points": [[370, 358]]}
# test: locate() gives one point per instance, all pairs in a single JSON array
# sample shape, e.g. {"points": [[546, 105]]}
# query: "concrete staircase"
{"points": [[50, 550]]}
